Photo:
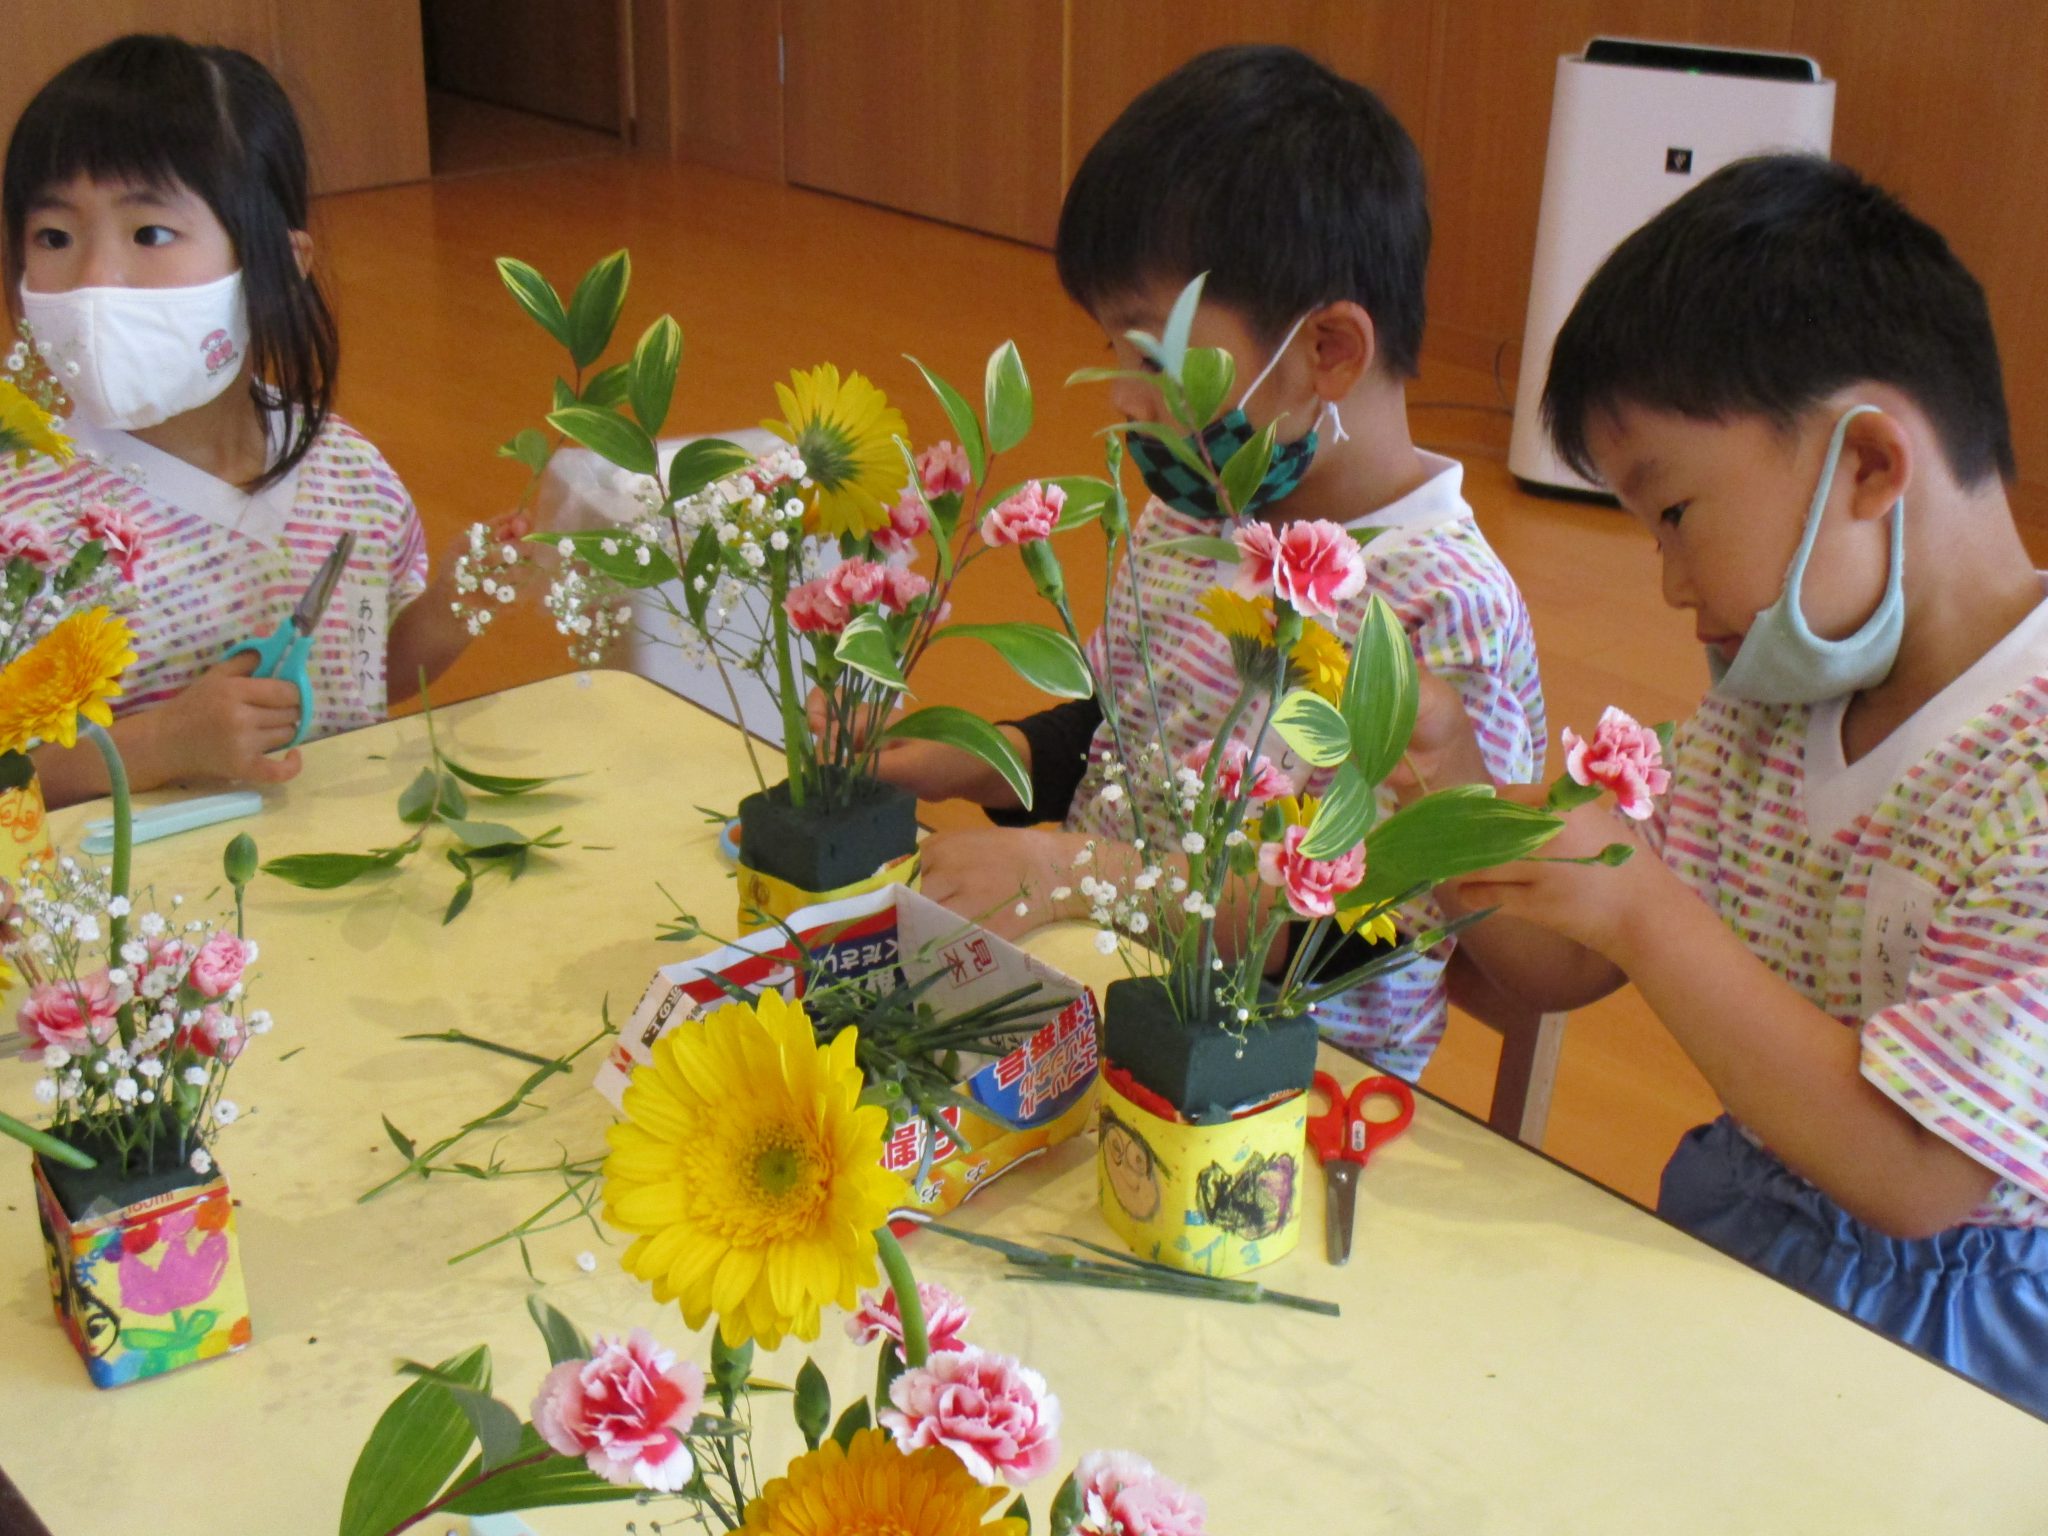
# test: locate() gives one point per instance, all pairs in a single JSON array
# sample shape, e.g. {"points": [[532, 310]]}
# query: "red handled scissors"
{"points": [[1342, 1138]]}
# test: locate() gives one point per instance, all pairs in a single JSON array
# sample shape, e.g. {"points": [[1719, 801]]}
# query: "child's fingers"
{"points": [[268, 694], [274, 770], [235, 666]]}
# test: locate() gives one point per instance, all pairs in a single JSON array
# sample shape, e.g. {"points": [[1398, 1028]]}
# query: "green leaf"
{"points": [[1007, 394], [497, 1426], [606, 389], [1380, 692], [549, 1484], [1109, 375], [1173, 337], [608, 434], [652, 382], [703, 556], [1246, 468], [463, 892], [501, 784], [1172, 439], [530, 447], [1205, 546], [416, 804], [1067, 1508], [970, 733], [851, 1423], [865, 646], [1207, 376], [563, 1338], [961, 415], [813, 1403], [1313, 727], [536, 295], [419, 1440], [400, 1140], [476, 836], [326, 871], [1086, 497], [1446, 834], [1567, 794], [698, 464], [1044, 658], [1344, 817], [622, 562], [1020, 1510], [594, 310], [563, 394]]}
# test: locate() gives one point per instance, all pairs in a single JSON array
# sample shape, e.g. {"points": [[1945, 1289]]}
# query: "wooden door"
{"points": [[940, 108]]}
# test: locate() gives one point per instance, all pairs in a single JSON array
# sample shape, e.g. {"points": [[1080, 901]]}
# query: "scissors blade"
{"points": [[1340, 1203], [306, 617]]}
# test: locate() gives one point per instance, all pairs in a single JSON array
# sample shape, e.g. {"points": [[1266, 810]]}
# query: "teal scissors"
{"points": [[284, 651]]}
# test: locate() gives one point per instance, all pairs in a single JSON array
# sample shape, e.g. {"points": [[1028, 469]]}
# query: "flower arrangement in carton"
{"points": [[749, 1171], [793, 568], [1248, 905]]}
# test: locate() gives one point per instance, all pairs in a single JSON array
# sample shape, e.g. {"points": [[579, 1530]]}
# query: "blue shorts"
{"points": [[1973, 1298]]}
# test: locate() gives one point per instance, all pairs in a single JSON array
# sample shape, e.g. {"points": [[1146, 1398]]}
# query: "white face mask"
{"points": [[134, 357]]}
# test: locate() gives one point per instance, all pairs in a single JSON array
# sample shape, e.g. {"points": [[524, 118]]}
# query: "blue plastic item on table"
{"points": [[169, 820]]}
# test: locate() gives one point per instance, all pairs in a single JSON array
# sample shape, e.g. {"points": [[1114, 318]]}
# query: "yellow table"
{"points": [[1519, 1351]]}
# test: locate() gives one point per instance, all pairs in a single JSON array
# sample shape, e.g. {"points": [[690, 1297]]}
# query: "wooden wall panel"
{"points": [[727, 84], [559, 58], [357, 75], [946, 109], [1119, 47]]}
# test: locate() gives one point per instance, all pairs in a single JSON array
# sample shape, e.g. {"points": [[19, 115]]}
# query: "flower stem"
{"points": [[917, 1344], [124, 848], [461, 1489]]}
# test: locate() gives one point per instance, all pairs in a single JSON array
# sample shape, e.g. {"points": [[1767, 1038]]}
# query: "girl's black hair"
{"points": [[1291, 186], [1769, 286], [163, 112]]}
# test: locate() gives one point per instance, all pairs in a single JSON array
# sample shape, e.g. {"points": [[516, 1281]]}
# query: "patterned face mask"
{"points": [[1182, 489]]}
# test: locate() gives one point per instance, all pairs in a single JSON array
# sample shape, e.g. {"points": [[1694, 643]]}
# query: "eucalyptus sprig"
{"points": [[439, 796]]}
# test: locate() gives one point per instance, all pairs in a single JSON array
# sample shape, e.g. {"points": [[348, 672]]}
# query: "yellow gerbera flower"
{"points": [[25, 429], [67, 675], [845, 432], [871, 1486], [1380, 930], [1320, 660], [1236, 617], [751, 1172]]}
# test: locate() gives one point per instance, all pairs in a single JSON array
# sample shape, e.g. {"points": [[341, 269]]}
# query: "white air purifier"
{"points": [[1633, 125]]}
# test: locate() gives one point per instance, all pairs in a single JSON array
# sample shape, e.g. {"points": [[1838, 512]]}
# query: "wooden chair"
{"points": [[1529, 1048]]}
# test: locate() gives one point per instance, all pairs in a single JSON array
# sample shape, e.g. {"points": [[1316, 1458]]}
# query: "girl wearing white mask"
{"points": [[155, 207]]}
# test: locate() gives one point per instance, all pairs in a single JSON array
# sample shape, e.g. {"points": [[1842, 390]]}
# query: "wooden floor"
{"points": [[440, 368]]}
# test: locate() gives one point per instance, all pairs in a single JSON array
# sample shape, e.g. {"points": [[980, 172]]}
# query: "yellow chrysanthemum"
{"points": [[25, 429], [1236, 617], [751, 1172], [873, 1489], [68, 675], [845, 432], [1319, 661]]}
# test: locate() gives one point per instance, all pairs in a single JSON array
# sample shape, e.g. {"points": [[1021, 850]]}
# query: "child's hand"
{"points": [[930, 770], [1443, 750], [224, 725], [986, 874], [1604, 908]]}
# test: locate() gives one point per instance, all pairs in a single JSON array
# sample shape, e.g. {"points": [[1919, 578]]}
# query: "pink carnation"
{"points": [[25, 540], [945, 1317], [1026, 515], [943, 469], [218, 965], [624, 1411], [814, 609], [1268, 782], [905, 588], [217, 1033], [908, 522], [1623, 757], [1311, 566], [857, 583], [1313, 885], [117, 531], [75, 1015], [993, 1413], [1122, 1496]]}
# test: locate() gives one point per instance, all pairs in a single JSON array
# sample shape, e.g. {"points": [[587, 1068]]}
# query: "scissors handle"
{"points": [[282, 654], [1343, 1131]]}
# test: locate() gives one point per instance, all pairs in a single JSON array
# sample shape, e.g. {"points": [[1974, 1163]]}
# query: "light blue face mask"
{"points": [[1781, 660]]}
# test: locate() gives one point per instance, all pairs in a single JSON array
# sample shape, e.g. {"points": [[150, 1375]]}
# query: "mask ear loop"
{"points": [[1273, 362]]}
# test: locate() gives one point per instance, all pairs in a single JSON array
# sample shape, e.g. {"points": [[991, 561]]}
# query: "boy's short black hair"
{"points": [[1289, 185], [1769, 286], [161, 111]]}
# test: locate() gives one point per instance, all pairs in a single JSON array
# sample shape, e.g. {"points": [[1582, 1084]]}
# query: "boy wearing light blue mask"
{"points": [[1842, 914], [1302, 199]]}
